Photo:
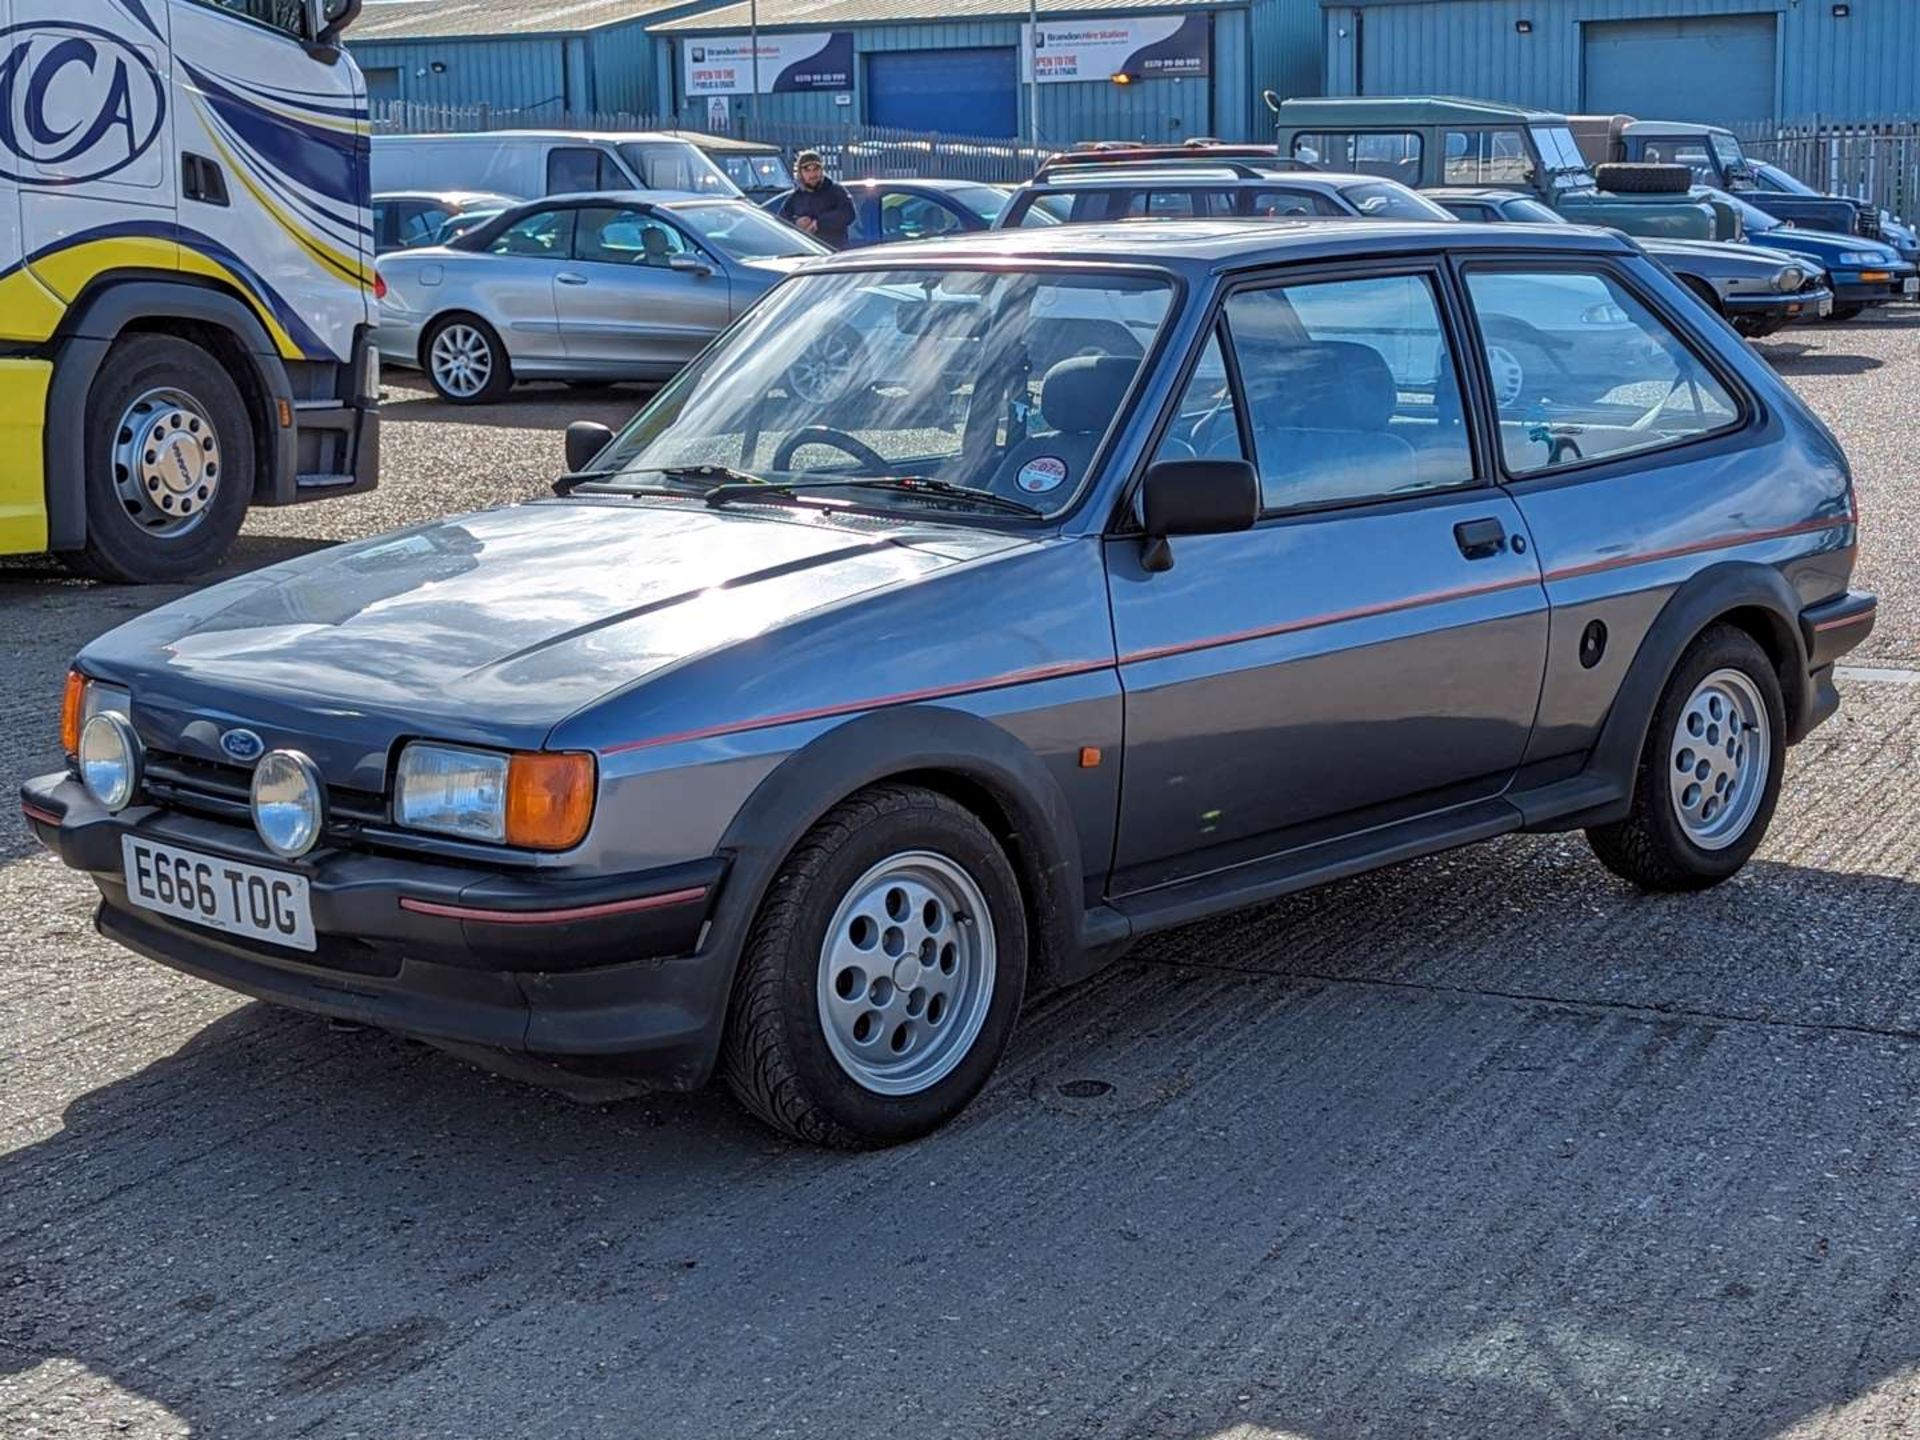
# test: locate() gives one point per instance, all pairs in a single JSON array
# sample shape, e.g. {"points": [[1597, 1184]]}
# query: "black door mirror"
{"points": [[585, 439], [1195, 497]]}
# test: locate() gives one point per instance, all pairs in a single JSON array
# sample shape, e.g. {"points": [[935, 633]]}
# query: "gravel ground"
{"points": [[1484, 1146]]}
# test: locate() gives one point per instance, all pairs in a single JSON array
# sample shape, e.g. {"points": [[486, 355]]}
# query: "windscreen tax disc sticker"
{"points": [[1041, 474]]}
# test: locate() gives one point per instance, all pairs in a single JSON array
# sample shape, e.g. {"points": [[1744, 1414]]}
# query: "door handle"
{"points": [[1478, 539], [567, 277], [200, 179]]}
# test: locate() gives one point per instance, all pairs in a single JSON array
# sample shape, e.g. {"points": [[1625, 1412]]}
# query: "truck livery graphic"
{"points": [[186, 275]]}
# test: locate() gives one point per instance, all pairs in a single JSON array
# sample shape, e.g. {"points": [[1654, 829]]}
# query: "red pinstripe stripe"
{"points": [[852, 707], [34, 812], [1309, 622], [553, 917], [1719, 542]]}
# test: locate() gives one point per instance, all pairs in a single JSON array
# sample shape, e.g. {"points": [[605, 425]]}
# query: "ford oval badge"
{"points": [[242, 744]]}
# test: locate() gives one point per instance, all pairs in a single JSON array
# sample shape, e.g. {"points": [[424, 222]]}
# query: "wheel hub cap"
{"points": [[166, 461], [462, 361], [1718, 761], [906, 973]]}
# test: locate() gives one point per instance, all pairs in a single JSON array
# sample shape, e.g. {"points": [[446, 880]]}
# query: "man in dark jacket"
{"points": [[817, 205]]}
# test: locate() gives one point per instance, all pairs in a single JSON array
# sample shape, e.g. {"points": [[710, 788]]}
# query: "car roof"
{"points": [[1202, 246], [1342, 112], [1674, 127], [1475, 192], [448, 197], [1198, 172], [639, 199], [922, 183]]}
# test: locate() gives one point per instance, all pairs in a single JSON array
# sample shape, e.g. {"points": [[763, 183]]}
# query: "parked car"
{"points": [[1431, 141], [758, 168], [1081, 187], [1862, 272], [1770, 181], [1758, 290], [799, 744], [403, 219], [1713, 154], [531, 163], [622, 286], [466, 222], [889, 210]]}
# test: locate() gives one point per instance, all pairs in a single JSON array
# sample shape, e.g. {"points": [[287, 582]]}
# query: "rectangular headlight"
{"points": [[534, 800], [452, 791]]}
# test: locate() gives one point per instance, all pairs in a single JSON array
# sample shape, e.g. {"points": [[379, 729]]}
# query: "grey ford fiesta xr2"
{"points": [[1100, 579]]}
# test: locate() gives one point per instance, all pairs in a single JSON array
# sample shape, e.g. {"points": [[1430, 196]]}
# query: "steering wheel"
{"points": [[826, 435]]}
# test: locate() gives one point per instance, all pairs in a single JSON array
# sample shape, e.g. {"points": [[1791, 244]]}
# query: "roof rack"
{"points": [[1249, 160]]}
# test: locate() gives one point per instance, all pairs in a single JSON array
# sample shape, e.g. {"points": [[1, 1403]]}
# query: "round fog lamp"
{"points": [[289, 802], [109, 759]]}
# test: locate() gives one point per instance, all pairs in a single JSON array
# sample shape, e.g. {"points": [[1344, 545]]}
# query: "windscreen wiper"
{"points": [[916, 485]]}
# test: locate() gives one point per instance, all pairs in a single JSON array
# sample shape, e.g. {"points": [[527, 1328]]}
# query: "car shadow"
{"points": [[1790, 358], [526, 406], [1488, 1138]]}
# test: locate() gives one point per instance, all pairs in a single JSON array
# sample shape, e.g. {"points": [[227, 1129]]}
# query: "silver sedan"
{"points": [[580, 287]]}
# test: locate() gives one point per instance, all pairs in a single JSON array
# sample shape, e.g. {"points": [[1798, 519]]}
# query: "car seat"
{"points": [[1078, 398], [1320, 416]]}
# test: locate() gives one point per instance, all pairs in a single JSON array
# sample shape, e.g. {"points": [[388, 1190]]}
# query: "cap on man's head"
{"points": [[808, 157]]}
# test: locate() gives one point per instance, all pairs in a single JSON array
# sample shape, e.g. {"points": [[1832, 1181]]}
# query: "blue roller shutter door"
{"points": [[1714, 68], [955, 92]]}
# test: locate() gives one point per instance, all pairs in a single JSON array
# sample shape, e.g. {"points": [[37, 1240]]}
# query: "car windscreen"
{"points": [[1384, 200], [676, 165], [1772, 177], [744, 232], [961, 393], [1560, 154], [986, 201], [1532, 212]]}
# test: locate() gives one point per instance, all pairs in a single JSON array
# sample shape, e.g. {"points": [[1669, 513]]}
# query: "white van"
{"points": [[532, 163]]}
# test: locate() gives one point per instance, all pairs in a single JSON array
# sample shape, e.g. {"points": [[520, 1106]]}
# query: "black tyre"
{"points": [[824, 372], [169, 463], [465, 361], [1626, 179], [881, 981], [1846, 312], [1710, 773]]}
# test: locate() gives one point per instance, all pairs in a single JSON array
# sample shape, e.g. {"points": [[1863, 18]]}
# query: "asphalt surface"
{"points": [[1484, 1146]]}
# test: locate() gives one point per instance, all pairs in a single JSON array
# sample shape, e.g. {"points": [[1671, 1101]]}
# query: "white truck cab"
{"points": [[186, 275]]}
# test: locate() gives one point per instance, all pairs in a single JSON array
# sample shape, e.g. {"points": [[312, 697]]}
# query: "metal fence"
{"points": [[850, 151], [1877, 161]]}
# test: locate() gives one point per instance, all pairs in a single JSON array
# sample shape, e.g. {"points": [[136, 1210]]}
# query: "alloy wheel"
{"points": [[461, 360], [1719, 758]]}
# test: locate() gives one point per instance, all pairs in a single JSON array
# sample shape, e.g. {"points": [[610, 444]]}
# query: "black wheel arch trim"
{"points": [[900, 744], [81, 344], [1729, 588]]}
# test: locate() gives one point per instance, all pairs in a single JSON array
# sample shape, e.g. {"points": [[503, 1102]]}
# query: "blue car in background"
{"points": [[1772, 180], [1862, 272]]}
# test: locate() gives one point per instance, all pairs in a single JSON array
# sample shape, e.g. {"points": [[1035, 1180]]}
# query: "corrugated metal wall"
{"points": [[1276, 45], [1866, 64], [522, 72]]}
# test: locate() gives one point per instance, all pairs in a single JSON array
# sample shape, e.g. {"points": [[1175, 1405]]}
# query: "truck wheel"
{"points": [[465, 361], [882, 979], [1626, 179], [169, 463], [1710, 772]]}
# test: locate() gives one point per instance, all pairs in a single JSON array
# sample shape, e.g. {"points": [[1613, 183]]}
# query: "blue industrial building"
{"points": [[1730, 61], [524, 58], [1155, 70]]}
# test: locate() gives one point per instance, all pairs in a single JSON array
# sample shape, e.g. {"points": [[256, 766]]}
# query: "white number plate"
{"points": [[1825, 307], [248, 900], [1910, 285]]}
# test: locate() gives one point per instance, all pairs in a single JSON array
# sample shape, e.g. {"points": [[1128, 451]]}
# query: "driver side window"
{"points": [[611, 236], [543, 235]]}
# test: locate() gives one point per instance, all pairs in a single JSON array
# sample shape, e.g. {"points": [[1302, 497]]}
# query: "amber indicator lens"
{"points": [[549, 800]]}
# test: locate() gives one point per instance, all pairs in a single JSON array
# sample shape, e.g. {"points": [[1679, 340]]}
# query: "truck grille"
{"points": [[1869, 222]]}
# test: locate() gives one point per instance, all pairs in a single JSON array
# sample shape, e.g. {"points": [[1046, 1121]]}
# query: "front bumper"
{"points": [[1809, 303], [1851, 288], [608, 968]]}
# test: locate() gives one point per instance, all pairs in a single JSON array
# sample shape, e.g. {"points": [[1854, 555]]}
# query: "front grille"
{"points": [[224, 792], [1869, 222]]}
